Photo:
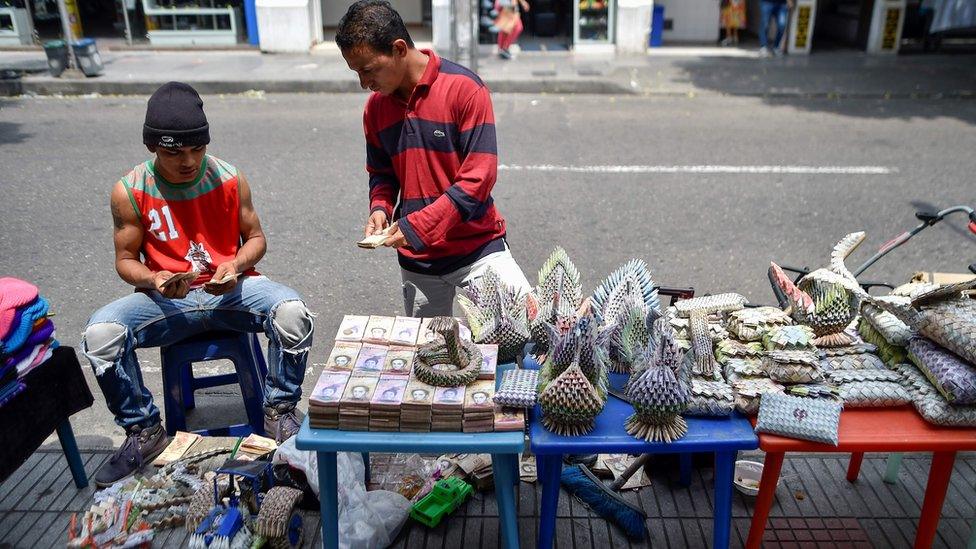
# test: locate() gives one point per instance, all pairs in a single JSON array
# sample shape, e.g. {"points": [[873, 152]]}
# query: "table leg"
{"points": [[552, 469], [724, 466], [504, 469], [854, 466], [935, 493], [891, 468], [70, 448], [366, 465], [764, 501], [329, 499], [684, 463]]}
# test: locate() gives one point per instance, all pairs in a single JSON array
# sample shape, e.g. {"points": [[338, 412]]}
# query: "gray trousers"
{"points": [[429, 295]]}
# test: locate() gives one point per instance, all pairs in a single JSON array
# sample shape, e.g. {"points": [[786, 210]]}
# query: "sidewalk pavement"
{"points": [[667, 71]]}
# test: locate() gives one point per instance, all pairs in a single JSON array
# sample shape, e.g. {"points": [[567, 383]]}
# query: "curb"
{"points": [[53, 86]]}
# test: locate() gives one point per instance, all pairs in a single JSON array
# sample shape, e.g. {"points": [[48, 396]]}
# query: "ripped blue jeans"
{"points": [[147, 319]]}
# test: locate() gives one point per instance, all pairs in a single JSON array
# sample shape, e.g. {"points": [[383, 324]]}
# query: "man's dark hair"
{"points": [[372, 23]]}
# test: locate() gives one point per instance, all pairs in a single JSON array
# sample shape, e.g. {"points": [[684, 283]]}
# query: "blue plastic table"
{"points": [[503, 447], [723, 436]]}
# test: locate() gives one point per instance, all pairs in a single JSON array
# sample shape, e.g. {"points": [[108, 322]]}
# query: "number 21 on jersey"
{"points": [[169, 232]]}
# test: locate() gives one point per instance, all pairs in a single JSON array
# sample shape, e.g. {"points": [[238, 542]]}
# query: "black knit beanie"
{"points": [[175, 118]]}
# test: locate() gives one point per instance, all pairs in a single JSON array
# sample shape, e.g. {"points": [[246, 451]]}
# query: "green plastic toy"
{"points": [[442, 500]]}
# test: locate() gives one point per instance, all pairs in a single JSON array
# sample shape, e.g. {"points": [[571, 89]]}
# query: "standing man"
{"points": [[186, 211], [773, 9], [431, 158]]}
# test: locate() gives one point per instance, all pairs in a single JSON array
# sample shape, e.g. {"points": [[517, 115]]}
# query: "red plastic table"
{"points": [[872, 430]]}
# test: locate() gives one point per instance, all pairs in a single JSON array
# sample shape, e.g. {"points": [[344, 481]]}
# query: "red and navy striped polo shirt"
{"points": [[434, 160]]}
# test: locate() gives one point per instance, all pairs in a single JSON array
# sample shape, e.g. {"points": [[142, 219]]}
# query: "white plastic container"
{"points": [[747, 476]]}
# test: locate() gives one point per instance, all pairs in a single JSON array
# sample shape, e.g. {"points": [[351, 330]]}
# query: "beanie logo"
{"points": [[170, 143]]}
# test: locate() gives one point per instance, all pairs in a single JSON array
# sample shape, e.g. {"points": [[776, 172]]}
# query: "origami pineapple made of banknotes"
{"points": [[573, 380], [659, 390], [496, 314], [625, 304], [827, 299], [558, 298]]}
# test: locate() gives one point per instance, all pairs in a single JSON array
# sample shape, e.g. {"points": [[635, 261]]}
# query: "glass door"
{"points": [[593, 21]]}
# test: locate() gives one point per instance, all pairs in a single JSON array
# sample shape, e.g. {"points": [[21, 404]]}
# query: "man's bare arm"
{"points": [[252, 234], [128, 234]]}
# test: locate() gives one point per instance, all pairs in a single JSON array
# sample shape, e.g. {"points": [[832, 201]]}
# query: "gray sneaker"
{"points": [[141, 446], [282, 422]]}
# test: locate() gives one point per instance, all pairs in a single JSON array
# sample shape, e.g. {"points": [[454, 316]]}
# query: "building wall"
{"points": [[410, 10], [692, 20]]}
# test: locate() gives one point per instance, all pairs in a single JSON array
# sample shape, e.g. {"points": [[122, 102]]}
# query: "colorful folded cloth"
{"points": [[44, 352], [42, 332], [35, 357], [19, 333], [14, 294]]}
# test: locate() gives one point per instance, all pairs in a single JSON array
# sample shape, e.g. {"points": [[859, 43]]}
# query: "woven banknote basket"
{"points": [[853, 349], [517, 388], [893, 330], [931, 405], [793, 366], [951, 375], [953, 326], [752, 324], [795, 337], [730, 348], [747, 392], [860, 361], [710, 398], [815, 419], [889, 353], [744, 367], [874, 394], [850, 376]]}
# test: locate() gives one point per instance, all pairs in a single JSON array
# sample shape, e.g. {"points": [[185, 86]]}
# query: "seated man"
{"points": [[185, 211]]}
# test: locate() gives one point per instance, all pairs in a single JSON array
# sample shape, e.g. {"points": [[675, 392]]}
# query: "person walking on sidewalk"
{"points": [[509, 24], [431, 159], [186, 211], [733, 19], [769, 9]]}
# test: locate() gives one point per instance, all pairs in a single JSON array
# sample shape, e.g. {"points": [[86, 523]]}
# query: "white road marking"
{"points": [[816, 170]]}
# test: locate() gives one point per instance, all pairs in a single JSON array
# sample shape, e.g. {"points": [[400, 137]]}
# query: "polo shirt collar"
{"points": [[428, 78]]}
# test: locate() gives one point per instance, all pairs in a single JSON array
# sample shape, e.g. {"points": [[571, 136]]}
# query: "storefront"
{"points": [[161, 22], [557, 25]]}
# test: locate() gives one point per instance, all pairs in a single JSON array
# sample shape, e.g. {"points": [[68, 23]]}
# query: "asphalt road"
{"points": [[304, 156]]}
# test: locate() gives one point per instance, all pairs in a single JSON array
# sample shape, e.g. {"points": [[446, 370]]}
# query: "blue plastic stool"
{"points": [[243, 349]]}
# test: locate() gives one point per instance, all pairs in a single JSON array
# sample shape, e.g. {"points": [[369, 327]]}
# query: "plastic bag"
{"points": [[366, 519]]}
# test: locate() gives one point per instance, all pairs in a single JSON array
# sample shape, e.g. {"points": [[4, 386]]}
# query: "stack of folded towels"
{"points": [[26, 334]]}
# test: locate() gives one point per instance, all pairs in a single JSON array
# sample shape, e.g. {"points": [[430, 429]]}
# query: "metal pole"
{"points": [[68, 35], [464, 38], [30, 21], [454, 49], [128, 29], [473, 26]]}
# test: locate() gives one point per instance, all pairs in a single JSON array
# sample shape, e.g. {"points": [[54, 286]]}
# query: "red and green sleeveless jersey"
{"points": [[187, 226]]}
